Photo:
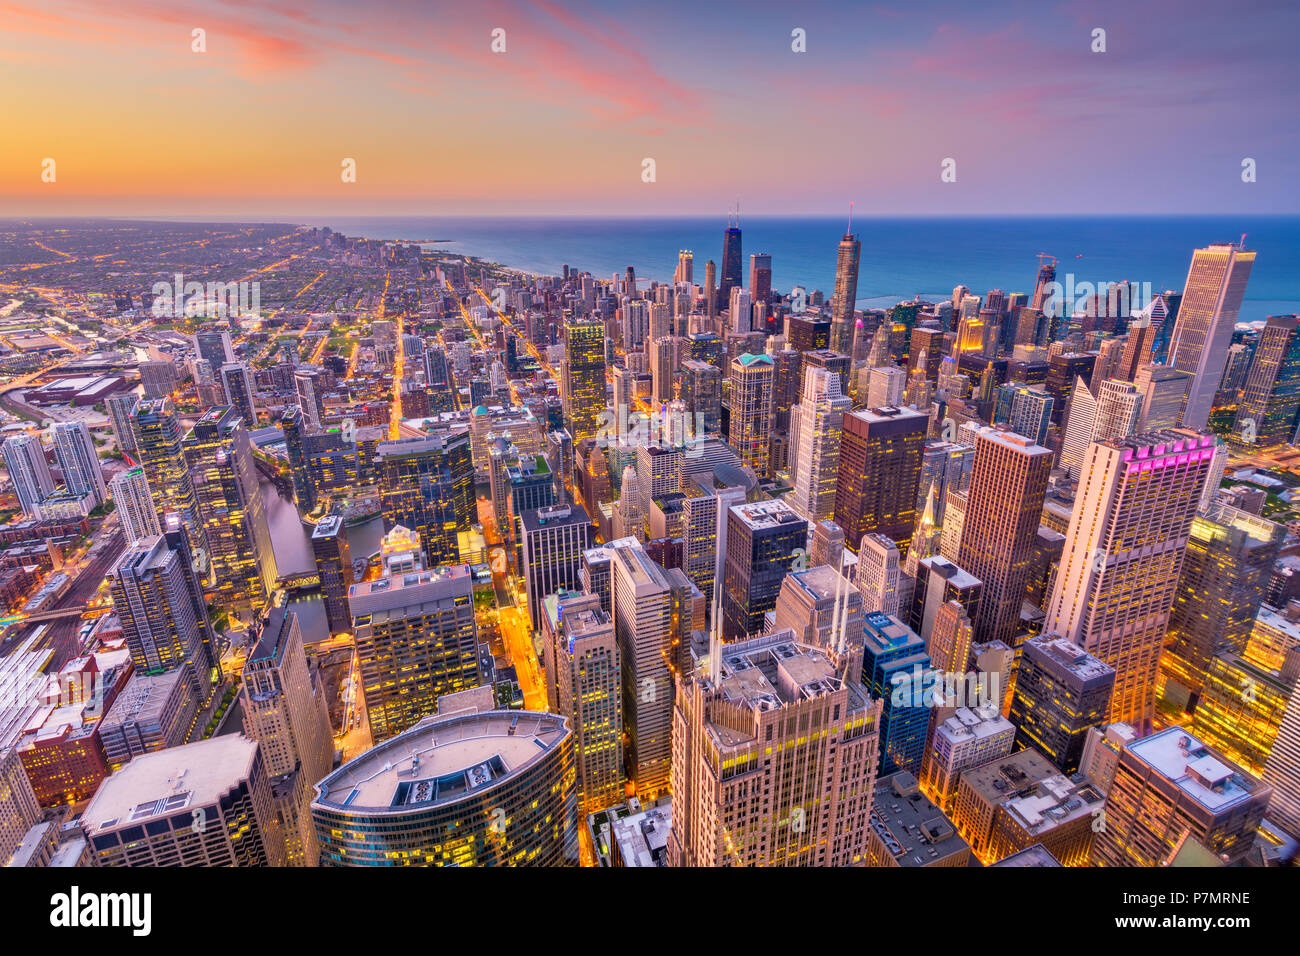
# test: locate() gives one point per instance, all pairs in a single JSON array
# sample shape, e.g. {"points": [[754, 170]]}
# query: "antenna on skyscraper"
{"points": [[1243, 240], [850, 229]]}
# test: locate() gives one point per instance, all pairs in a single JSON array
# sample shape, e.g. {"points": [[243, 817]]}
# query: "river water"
{"points": [[291, 541]]}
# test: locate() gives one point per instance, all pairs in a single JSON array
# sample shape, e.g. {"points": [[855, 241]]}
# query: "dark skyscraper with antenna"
{"points": [[731, 261]]}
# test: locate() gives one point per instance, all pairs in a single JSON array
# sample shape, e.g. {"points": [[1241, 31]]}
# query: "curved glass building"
{"points": [[490, 788]]}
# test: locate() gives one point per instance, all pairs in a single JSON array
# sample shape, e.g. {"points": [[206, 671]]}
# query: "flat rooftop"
{"points": [[913, 829], [164, 782], [1198, 771], [442, 759]]}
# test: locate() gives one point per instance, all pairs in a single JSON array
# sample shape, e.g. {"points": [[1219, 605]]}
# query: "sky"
{"points": [[563, 120]]}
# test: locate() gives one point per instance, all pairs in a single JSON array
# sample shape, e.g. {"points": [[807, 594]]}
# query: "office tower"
{"points": [[1282, 767], [685, 267], [438, 379], [750, 424], [731, 276], [121, 415], [220, 458], [416, 640], [1003, 512], [1043, 282], [1112, 414], [329, 546], [559, 454], [1062, 371], [896, 671], [817, 424], [710, 289], [584, 684], [553, 541], [19, 810], [476, 788], [845, 298], [950, 645], [285, 711], [78, 460], [774, 758], [876, 574], [237, 382], [427, 484], [311, 399], [760, 277], [1028, 410], [818, 606], [1164, 393], [764, 540], [1137, 350], [937, 581], [740, 311], [1243, 705], [636, 324], [630, 507], [1225, 571], [1170, 787], [699, 385], [29, 472], [214, 347], [666, 356], [1061, 692], [1234, 373], [885, 386], [158, 437], [709, 496], [304, 488], [159, 602], [203, 804], [827, 545], [1101, 749], [1057, 817], [880, 469], [1116, 583], [967, 738], [983, 789], [1266, 414], [1216, 283], [582, 385]]}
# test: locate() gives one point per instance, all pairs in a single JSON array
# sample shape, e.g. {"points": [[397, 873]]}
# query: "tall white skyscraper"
{"points": [[817, 425], [135, 508], [78, 460], [876, 575], [740, 310], [1113, 413], [1118, 574], [1216, 284], [28, 470]]}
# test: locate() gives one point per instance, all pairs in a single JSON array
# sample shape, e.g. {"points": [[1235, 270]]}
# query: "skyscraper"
{"points": [[237, 381], [554, 539], [135, 510], [1266, 414], [876, 575], [845, 298], [896, 671], [158, 600], [774, 758], [285, 711], [765, 539], [642, 605], [220, 458], [584, 683], [1123, 554], [751, 410], [304, 488], [732, 275], [427, 484], [1061, 692], [306, 382], [416, 640], [329, 546], [880, 470], [816, 428], [29, 472], [206, 803], [1229, 555], [1216, 284], [760, 277], [1169, 787], [78, 460], [121, 415], [582, 385], [1003, 512], [158, 437], [419, 799]]}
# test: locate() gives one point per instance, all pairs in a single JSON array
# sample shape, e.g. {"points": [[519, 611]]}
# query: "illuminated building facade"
{"points": [[774, 758], [1061, 693], [764, 540], [485, 788], [583, 378], [880, 469], [158, 441], [329, 546], [427, 485], [750, 404]]}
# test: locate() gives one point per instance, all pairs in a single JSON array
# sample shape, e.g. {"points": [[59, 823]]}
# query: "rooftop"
{"points": [[442, 759], [913, 829], [1198, 771]]}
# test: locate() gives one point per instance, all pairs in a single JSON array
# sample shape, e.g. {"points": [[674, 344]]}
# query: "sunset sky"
{"points": [[438, 124]]}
